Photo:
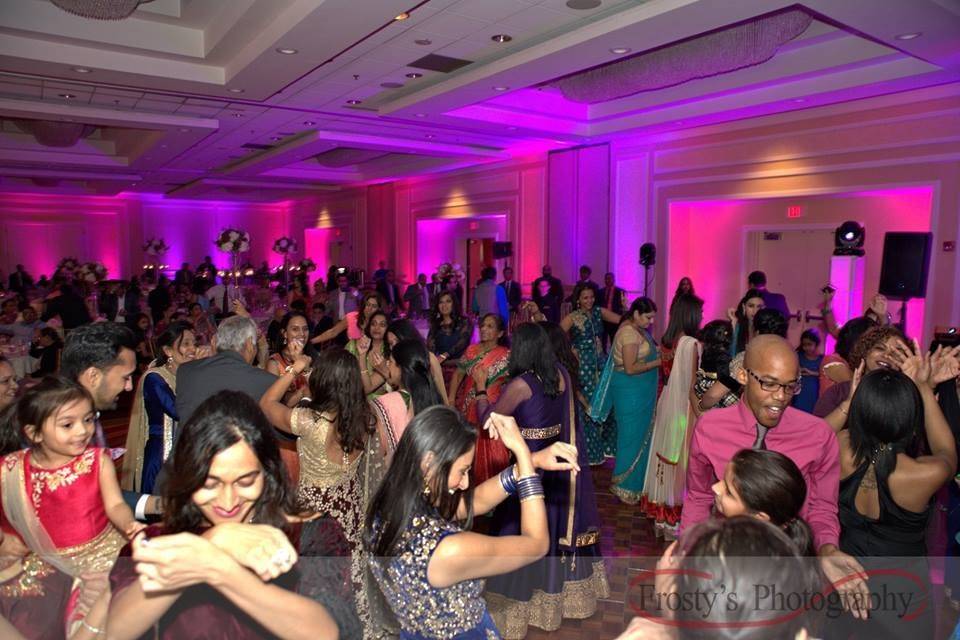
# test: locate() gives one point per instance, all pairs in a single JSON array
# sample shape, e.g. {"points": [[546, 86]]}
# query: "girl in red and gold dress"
{"points": [[61, 498]]}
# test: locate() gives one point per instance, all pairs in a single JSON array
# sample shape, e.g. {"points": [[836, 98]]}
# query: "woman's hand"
{"points": [[301, 363], [363, 345], [204, 351], [506, 429], [944, 365], [916, 365], [560, 456], [295, 347], [263, 549], [238, 308], [855, 382], [732, 315], [377, 359], [828, 294], [175, 562], [879, 306], [479, 375], [132, 529]]}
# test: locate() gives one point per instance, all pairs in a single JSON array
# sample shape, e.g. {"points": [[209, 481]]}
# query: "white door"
{"points": [[797, 264]]}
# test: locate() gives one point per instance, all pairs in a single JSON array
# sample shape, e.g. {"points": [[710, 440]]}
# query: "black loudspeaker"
{"points": [[502, 250], [906, 264], [648, 254]]}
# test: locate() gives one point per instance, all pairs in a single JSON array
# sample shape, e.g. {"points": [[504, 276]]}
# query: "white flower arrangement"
{"points": [[68, 265], [155, 247], [285, 245], [91, 272], [447, 269], [307, 265], [233, 241]]}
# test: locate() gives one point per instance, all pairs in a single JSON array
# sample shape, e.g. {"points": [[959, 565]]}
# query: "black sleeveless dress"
{"points": [[893, 551]]}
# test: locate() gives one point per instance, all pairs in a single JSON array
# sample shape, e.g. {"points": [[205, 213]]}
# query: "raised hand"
{"points": [[479, 375], [944, 365], [732, 315], [301, 363], [916, 365], [506, 429], [879, 306], [560, 456], [857, 377]]}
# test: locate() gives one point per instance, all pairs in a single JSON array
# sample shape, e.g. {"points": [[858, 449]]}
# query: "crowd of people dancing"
{"points": [[362, 460]]}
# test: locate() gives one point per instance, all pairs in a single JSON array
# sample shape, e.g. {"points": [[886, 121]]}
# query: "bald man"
{"points": [[764, 419]]}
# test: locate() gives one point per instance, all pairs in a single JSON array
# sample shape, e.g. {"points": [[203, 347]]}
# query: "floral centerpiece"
{"points": [[307, 265], [284, 245], [448, 270], [91, 272], [155, 247], [233, 241], [67, 266]]}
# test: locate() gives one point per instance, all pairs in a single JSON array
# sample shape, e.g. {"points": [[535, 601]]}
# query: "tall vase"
{"points": [[235, 274]]}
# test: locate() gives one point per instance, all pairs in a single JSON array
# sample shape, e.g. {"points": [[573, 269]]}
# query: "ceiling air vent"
{"points": [[443, 64]]}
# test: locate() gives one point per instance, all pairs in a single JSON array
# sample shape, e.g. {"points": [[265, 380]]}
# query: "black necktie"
{"points": [[759, 443]]}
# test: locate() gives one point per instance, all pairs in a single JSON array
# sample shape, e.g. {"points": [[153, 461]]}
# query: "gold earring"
{"points": [[426, 487]]}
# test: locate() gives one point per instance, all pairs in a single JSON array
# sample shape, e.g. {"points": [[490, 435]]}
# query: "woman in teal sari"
{"points": [[629, 384]]}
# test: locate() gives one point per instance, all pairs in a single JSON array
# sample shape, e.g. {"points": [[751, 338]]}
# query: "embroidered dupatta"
{"points": [[139, 432]]}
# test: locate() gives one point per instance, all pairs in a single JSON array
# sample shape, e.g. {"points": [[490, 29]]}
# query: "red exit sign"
{"points": [[795, 211]]}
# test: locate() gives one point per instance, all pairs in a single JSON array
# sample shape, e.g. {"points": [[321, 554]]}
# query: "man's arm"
{"points": [[823, 494], [700, 479]]}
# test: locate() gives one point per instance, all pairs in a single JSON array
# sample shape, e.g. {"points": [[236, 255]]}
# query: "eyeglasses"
{"points": [[790, 388]]}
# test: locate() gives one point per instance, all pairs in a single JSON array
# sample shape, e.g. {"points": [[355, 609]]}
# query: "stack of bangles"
{"points": [[527, 487]]}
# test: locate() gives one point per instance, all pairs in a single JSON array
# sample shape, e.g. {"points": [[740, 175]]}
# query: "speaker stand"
{"points": [[903, 315], [646, 280]]}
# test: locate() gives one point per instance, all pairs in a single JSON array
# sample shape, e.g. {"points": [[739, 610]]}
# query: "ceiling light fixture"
{"points": [[287, 51], [501, 37], [909, 36], [100, 10], [421, 115], [80, 70], [401, 16], [429, 136], [276, 138], [68, 96], [309, 123], [583, 5], [237, 115], [423, 42], [354, 101], [235, 90], [621, 50], [414, 75], [501, 88]]}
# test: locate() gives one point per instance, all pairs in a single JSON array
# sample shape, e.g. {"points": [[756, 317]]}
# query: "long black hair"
{"points": [[885, 417], [413, 359], [686, 314], [279, 340], [532, 352], [171, 337], [563, 350], [403, 329], [850, 333], [771, 483], [733, 556], [336, 387], [436, 318], [446, 434], [743, 323], [220, 422]]}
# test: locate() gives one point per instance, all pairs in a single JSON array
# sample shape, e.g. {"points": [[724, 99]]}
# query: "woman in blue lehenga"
{"points": [[570, 580], [154, 420], [585, 325]]}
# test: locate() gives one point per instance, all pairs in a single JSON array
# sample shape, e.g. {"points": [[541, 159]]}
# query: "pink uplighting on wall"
{"points": [[706, 240]]}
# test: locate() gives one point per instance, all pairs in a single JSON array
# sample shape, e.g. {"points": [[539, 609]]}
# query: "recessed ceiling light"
{"points": [[583, 5], [414, 75], [237, 115], [799, 99], [80, 70], [421, 115], [276, 138], [68, 96], [429, 136], [354, 101], [402, 16], [909, 36], [309, 123], [235, 90], [501, 88], [501, 37], [287, 51], [423, 42], [621, 50]]}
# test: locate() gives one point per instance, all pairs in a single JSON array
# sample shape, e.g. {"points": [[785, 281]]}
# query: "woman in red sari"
{"points": [[487, 360]]}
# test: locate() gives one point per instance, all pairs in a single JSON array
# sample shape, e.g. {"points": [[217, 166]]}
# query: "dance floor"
{"points": [[628, 543]]}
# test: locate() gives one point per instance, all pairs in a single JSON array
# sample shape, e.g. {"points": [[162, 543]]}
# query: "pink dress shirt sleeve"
{"points": [[823, 494], [700, 479]]}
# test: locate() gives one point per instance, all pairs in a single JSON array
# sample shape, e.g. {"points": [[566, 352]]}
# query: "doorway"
{"points": [[797, 264]]}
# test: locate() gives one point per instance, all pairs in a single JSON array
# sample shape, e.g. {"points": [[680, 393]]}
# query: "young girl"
{"points": [[810, 361], [768, 486], [62, 499]]}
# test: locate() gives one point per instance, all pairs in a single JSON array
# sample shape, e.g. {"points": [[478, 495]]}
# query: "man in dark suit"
{"points": [[585, 281], [512, 289], [435, 288], [69, 306], [184, 275], [389, 290], [758, 280], [417, 297], [230, 368], [550, 295], [20, 280], [613, 298], [343, 299], [101, 357]]}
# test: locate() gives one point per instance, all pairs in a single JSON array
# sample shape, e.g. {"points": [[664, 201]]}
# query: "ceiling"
{"points": [[191, 98]]}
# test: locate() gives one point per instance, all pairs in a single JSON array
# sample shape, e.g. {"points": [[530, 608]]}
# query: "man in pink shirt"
{"points": [[764, 419]]}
